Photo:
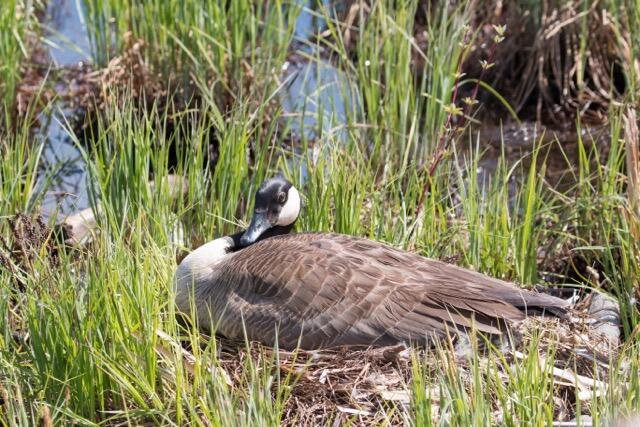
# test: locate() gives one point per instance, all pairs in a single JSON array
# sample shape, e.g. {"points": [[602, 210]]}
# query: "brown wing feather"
{"points": [[329, 289]]}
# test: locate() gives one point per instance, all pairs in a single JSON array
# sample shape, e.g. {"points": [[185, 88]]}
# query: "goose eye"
{"points": [[282, 197]]}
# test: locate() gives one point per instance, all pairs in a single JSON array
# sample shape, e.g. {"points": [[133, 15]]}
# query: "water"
{"points": [[63, 170], [318, 100], [68, 40], [310, 21], [558, 148]]}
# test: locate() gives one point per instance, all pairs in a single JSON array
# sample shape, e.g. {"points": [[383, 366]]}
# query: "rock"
{"points": [[629, 421], [605, 310], [583, 421], [79, 228]]}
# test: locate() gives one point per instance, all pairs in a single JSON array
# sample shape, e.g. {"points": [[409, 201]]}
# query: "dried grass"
{"points": [[28, 240], [549, 70], [632, 141]]}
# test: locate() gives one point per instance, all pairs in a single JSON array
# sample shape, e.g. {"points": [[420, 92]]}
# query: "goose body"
{"points": [[320, 290]]}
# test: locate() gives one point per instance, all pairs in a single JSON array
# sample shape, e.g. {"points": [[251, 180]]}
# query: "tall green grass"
{"points": [[92, 351], [93, 338], [229, 50], [211, 45], [18, 172], [16, 19]]}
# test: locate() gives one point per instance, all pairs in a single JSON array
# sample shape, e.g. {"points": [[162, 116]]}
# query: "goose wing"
{"points": [[323, 290]]}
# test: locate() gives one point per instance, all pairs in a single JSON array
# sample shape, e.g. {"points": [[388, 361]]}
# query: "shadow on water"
{"points": [[515, 144], [62, 169]]}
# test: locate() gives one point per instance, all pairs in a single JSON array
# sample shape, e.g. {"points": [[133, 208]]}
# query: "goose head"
{"points": [[276, 208]]}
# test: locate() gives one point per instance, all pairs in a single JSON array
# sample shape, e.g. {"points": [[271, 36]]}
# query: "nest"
{"points": [[371, 386]]}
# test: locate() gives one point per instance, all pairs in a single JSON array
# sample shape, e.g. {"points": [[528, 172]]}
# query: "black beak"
{"points": [[259, 224]]}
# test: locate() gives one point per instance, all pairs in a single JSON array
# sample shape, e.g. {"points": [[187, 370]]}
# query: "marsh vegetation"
{"points": [[499, 136]]}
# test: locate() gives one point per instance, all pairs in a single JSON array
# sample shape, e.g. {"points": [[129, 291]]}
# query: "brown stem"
{"points": [[445, 138]]}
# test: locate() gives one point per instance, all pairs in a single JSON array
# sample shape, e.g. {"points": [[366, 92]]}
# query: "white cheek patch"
{"points": [[291, 209]]}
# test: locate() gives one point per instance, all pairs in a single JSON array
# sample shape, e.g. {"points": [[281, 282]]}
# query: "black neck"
{"points": [[278, 230]]}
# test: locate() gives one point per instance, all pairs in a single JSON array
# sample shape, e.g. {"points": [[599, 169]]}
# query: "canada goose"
{"points": [[322, 290]]}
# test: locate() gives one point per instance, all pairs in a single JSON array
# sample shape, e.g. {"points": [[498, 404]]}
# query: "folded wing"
{"points": [[321, 290]]}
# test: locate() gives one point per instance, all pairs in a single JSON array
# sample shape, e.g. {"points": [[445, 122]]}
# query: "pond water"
{"points": [[62, 168], [317, 99], [68, 40]]}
